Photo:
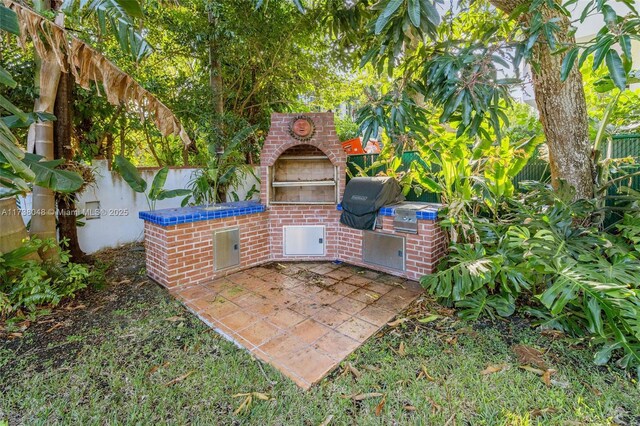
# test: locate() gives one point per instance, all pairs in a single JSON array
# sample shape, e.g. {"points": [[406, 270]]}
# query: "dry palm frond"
{"points": [[86, 64]]}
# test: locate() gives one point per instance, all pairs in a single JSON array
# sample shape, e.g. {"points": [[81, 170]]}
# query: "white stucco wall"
{"points": [[119, 206]]}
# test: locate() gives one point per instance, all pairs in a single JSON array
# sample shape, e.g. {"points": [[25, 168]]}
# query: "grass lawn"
{"points": [[130, 354]]}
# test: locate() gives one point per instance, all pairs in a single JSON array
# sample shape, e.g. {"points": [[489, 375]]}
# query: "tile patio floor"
{"points": [[303, 318]]}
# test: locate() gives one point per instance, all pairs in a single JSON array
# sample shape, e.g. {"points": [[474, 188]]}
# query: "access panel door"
{"points": [[226, 248], [304, 240]]}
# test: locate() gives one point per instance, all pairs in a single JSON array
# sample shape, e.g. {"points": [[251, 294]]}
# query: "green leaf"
{"points": [[616, 69], [414, 12], [430, 11], [387, 13], [4, 103], [163, 195], [13, 121], [158, 183], [130, 174], [47, 176], [567, 63], [131, 7], [6, 79], [9, 20], [610, 15]]}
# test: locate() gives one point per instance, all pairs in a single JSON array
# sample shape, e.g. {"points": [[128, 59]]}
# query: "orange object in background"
{"points": [[373, 147], [353, 146]]}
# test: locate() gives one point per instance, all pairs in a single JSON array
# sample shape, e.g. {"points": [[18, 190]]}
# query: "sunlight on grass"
{"points": [[149, 370]]}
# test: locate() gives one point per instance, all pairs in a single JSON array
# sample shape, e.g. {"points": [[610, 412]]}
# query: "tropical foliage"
{"points": [[156, 191], [26, 283]]}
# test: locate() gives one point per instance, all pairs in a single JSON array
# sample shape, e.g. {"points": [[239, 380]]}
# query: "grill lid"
{"points": [[364, 196]]}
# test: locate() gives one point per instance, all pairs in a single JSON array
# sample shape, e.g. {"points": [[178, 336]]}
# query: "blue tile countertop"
{"points": [[430, 212], [169, 217]]}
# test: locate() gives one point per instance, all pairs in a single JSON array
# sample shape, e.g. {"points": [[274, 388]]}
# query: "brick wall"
{"points": [[284, 215], [182, 255], [423, 250], [279, 140]]}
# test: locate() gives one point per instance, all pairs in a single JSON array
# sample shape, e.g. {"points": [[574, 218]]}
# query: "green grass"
{"points": [[116, 373]]}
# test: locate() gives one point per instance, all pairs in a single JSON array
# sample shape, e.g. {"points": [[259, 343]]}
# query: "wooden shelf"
{"points": [[304, 183], [304, 157]]}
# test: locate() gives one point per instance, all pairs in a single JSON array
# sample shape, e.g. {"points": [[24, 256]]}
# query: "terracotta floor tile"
{"points": [[343, 288], [357, 280], [375, 315], [249, 299], [284, 298], [403, 293], [306, 290], [349, 306], [302, 317], [289, 269], [391, 279], [262, 356], [287, 372], [259, 332], [413, 286], [310, 364], [380, 288], [357, 329], [372, 275], [282, 346], [239, 340], [218, 285], [255, 285], [217, 308], [331, 317], [259, 271], [326, 297], [273, 278], [322, 269], [195, 292], [364, 295], [286, 318], [290, 283], [241, 278], [238, 320], [263, 309], [306, 307], [309, 330], [339, 274], [395, 302], [233, 292], [336, 345]]}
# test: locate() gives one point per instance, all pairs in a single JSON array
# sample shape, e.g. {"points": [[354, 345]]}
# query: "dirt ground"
{"points": [[125, 285]]}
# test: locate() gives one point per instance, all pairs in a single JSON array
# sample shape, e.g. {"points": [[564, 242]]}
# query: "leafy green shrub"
{"points": [[541, 254], [26, 283]]}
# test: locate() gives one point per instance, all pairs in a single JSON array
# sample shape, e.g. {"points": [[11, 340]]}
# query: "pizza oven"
{"points": [[302, 161]]}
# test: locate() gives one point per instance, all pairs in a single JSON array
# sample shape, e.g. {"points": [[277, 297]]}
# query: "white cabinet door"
{"points": [[304, 241]]}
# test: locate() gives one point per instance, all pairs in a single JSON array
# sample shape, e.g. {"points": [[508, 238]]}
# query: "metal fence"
{"points": [[620, 146]]}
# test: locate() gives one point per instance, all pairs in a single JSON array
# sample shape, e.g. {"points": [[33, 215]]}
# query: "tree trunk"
{"points": [[215, 70], [562, 107], [63, 128], [47, 76], [43, 220]]}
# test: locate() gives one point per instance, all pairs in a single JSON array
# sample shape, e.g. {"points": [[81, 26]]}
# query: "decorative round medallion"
{"points": [[302, 128]]}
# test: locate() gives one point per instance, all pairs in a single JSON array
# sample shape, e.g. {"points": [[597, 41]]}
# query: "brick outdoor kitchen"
{"points": [[297, 218]]}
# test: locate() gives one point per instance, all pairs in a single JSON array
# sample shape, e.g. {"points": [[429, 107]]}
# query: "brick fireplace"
{"points": [[303, 176]]}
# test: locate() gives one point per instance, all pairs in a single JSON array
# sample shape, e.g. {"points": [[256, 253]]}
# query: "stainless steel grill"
{"points": [[405, 219]]}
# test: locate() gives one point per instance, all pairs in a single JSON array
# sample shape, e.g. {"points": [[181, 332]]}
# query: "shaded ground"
{"points": [[129, 353]]}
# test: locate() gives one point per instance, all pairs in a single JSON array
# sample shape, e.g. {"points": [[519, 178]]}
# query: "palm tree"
{"points": [[58, 52]]}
